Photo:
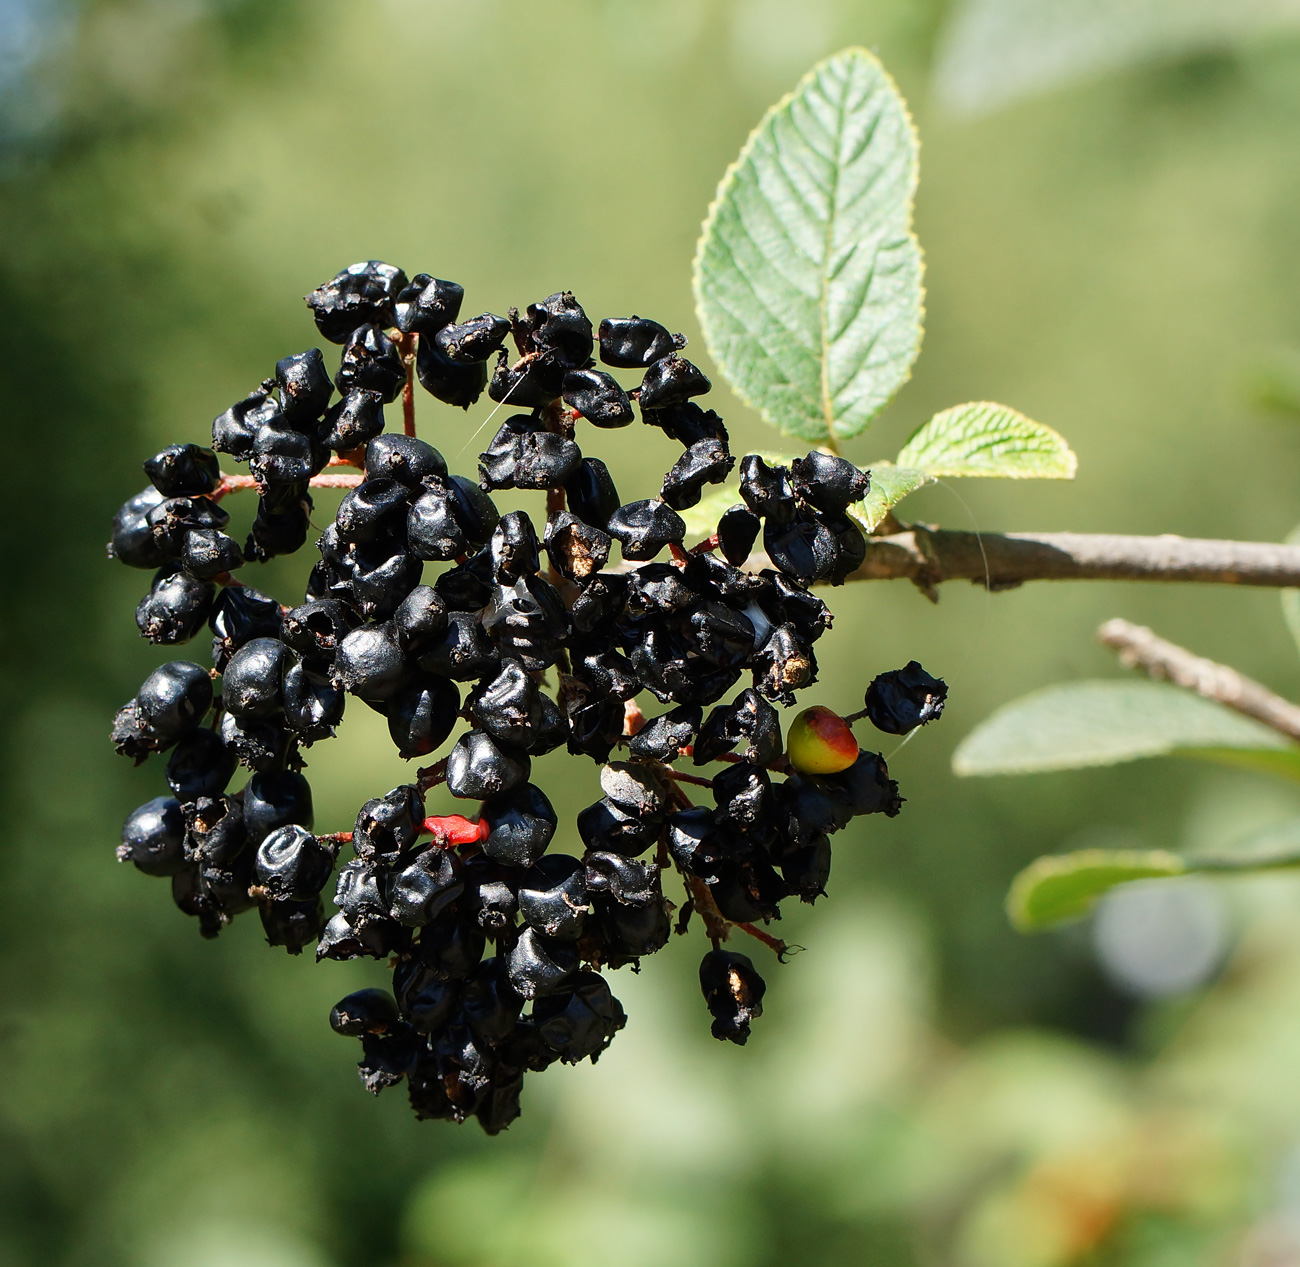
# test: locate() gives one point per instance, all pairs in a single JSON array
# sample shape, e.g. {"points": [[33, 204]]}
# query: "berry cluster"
{"points": [[532, 657]]}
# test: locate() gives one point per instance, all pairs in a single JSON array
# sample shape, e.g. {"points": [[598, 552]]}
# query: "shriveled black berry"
{"points": [[629, 881], [767, 490], [521, 823], [174, 699], [422, 890], [313, 704], [405, 459], [598, 398], [293, 865], [738, 529], [829, 483], [153, 837], [632, 343], [364, 1012], [671, 380], [478, 768], [371, 363], [453, 383], [685, 422], [373, 511], [316, 628], [733, 993], [558, 326], [663, 737], [592, 495], [576, 549], [183, 470], [705, 462], [305, 389], [553, 896], [253, 683], [490, 1004], [784, 665], [362, 294], [422, 714], [524, 454], [356, 419], [474, 340], [369, 663], [207, 553], [132, 539], [388, 825], [427, 304], [175, 609], [644, 528], [748, 717], [274, 799], [540, 965], [901, 701], [293, 925], [200, 765], [258, 743], [580, 1022], [282, 522], [239, 615], [865, 787], [608, 828], [514, 548]]}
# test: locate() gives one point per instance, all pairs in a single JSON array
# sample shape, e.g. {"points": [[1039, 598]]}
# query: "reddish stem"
{"points": [[680, 776], [408, 390], [772, 943], [633, 718], [431, 775], [339, 837], [707, 546], [449, 830], [679, 556], [242, 483]]}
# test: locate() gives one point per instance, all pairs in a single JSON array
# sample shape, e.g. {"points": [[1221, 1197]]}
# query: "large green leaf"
{"points": [[1080, 724], [807, 275], [1061, 887], [985, 439]]}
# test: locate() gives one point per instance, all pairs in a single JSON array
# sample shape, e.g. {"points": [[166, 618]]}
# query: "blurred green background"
{"points": [[1109, 206]]}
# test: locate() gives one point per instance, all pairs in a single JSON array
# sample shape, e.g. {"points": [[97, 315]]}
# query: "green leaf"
{"points": [[807, 275], [984, 439], [1054, 889], [889, 485], [1079, 724]]}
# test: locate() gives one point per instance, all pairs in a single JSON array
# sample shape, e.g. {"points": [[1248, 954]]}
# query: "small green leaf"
{"points": [[1080, 724], [889, 485], [983, 439], [807, 275], [1054, 889]]}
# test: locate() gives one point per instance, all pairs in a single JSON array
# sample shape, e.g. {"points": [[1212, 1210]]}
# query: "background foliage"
{"points": [[1110, 252]]}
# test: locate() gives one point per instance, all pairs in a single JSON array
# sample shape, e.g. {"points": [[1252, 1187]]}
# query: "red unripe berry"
{"points": [[820, 741]]}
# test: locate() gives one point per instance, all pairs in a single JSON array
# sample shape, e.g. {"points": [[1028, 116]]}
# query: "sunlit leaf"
{"points": [[889, 485], [808, 276], [1079, 724], [984, 439], [1062, 887]]}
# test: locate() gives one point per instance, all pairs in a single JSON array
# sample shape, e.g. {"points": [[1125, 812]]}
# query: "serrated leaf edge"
{"points": [[1072, 458], [711, 215]]}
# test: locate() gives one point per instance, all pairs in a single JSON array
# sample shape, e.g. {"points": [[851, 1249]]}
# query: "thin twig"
{"points": [[928, 556], [247, 483], [1139, 648], [407, 344]]}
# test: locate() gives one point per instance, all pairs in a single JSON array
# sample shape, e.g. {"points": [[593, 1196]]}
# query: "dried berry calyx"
{"points": [[429, 606]]}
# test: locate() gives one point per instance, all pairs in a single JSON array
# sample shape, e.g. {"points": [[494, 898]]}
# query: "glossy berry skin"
{"points": [[829, 483], [539, 965], [364, 1012], [580, 1022], [369, 663], [521, 824], [388, 825], [671, 380], [362, 294], [174, 699], [175, 609], [239, 615], [356, 419], [705, 462], [733, 992], [901, 701], [305, 389], [644, 528], [820, 741], [459, 385], [253, 684], [523, 454], [633, 343], [478, 768], [371, 363], [738, 529], [183, 470], [427, 304], [276, 799], [472, 341], [421, 715], [292, 865], [421, 891], [592, 495], [405, 459], [598, 398], [153, 837], [200, 766], [553, 897], [132, 539]]}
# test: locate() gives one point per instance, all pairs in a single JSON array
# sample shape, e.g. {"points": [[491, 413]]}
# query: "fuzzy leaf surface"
{"points": [[985, 439], [808, 275]]}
